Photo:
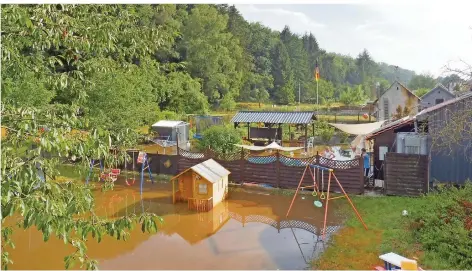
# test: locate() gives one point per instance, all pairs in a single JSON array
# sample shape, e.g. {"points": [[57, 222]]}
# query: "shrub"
{"points": [[344, 137], [220, 139], [324, 130], [444, 228]]}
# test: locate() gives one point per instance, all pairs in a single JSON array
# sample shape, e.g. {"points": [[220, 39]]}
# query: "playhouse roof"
{"points": [[211, 170]]}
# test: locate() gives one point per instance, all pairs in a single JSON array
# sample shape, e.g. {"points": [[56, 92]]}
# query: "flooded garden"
{"points": [[249, 230]]}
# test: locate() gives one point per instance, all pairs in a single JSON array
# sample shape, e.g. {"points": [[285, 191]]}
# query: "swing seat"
{"points": [[130, 181], [115, 171]]}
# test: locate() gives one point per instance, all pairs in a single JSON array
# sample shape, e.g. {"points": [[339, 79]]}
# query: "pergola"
{"points": [[270, 119]]}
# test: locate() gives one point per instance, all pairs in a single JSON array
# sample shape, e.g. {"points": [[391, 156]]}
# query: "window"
{"points": [[438, 101], [386, 112], [202, 188]]}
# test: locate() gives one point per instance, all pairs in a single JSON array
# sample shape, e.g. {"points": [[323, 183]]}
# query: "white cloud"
{"points": [[421, 36], [277, 18]]}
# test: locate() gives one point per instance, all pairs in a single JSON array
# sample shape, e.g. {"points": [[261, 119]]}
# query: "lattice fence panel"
{"points": [[191, 155], [262, 159], [335, 164], [296, 162], [261, 219]]}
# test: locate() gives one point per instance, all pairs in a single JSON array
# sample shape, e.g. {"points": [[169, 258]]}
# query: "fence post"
{"points": [[316, 172], [242, 165], [277, 165]]}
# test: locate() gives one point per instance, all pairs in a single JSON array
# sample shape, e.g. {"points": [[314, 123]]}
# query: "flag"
{"points": [[317, 72]]}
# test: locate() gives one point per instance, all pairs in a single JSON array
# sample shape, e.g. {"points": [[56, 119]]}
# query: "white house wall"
{"points": [[396, 95]]}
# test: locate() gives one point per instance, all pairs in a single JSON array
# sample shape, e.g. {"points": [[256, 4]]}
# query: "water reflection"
{"points": [[248, 231]]}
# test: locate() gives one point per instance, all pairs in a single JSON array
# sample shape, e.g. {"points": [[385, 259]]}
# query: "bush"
{"points": [[324, 130], [444, 228], [344, 137], [220, 139]]}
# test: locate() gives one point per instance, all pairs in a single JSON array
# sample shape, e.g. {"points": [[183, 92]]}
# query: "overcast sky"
{"points": [[421, 37]]}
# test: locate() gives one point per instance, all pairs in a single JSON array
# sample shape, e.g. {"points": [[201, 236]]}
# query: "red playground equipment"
{"points": [[316, 190]]}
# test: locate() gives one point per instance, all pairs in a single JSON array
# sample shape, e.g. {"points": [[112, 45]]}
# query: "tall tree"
{"points": [[283, 90], [422, 81], [212, 53]]}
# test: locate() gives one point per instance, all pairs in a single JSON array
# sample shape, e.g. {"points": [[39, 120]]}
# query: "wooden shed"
{"points": [[203, 186]]}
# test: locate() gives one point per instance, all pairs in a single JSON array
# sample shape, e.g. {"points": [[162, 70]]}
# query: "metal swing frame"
{"points": [[328, 198], [144, 165]]}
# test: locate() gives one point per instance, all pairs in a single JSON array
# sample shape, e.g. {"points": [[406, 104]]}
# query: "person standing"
{"points": [[366, 158]]}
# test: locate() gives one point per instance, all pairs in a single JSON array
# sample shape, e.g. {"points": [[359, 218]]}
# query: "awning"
{"points": [[358, 129], [271, 146]]}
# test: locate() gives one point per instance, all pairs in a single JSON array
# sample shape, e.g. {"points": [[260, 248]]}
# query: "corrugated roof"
{"points": [[303, 117], [167, 123], [448, 102], [211, 170]]}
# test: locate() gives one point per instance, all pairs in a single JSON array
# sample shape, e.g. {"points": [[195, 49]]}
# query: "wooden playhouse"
{"points": [[203, 186]]}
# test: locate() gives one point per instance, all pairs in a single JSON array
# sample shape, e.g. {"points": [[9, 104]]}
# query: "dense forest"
{"points": [[123, 64]]}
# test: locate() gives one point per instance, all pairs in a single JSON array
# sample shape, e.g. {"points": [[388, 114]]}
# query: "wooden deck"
{"points": [[200, 205]]}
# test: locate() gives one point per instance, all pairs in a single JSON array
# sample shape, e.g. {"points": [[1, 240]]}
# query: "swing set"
{"points": [[320, 193], [105, 175], [113, 173]]}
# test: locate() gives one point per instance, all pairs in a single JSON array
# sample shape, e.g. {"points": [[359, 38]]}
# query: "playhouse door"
{"points": [[182, 189]]}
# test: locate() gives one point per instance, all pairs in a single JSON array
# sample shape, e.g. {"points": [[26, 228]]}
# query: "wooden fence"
{"points": [[278, 170], [406, 174]]}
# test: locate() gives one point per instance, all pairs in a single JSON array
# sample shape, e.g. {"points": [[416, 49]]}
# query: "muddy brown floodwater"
{"points": [[247, 231]]}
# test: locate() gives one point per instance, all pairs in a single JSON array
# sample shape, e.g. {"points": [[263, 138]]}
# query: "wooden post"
{"points": [[177, 138], [289, 133], [277, 165], [313, 126], [281, 135], [173, 192], [248, 131], [242, 164], [306, 137]]}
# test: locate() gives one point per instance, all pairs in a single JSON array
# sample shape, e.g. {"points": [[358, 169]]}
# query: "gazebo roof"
{"points": [[302, 117]]}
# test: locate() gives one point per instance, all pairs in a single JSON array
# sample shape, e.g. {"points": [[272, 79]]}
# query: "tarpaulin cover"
{"points": [[358, 129]]}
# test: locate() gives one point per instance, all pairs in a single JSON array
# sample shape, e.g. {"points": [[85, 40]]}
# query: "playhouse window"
{"points": [[202, 188]]}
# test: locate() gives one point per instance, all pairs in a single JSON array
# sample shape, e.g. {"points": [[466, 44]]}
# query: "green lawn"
{"points": [[422, 235]]}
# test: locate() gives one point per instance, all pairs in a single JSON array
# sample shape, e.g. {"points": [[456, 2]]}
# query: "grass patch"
{"points": [[437, 232], [355, 248], [75, 172]]}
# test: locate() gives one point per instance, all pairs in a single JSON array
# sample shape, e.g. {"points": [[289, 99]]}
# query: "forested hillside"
{"points": [[121, 64]]}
